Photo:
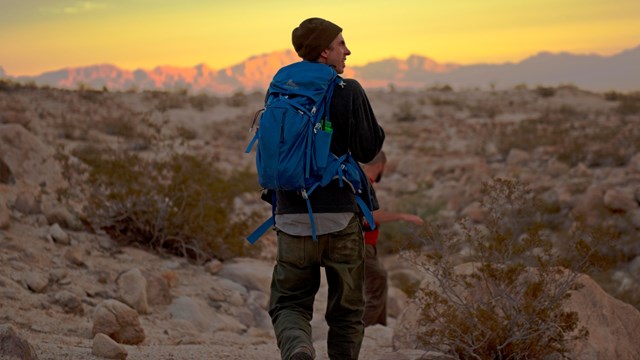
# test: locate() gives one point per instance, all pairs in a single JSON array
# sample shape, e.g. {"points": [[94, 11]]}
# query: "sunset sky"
{"points": [[44, 35]]}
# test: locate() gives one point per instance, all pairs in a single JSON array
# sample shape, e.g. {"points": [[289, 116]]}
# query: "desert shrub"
{"points": [[203, 102], [506, 301], [238, 99], [117, 126], [629, 105], [441, 88], [405, 112], [186, 133], [545, 91], [485, 109], [182, 205], [8, 85], [165, 100], [613, 96], [446, 101]]}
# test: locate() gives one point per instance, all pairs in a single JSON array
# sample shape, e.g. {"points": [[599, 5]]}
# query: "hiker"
{"points": [[375, 275], [339, 244]]}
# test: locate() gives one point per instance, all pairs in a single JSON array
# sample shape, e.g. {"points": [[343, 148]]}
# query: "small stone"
{"points": [[213, 267], [27, 203], [75, 255], [106, 347], [36, 282], [58, 235]]}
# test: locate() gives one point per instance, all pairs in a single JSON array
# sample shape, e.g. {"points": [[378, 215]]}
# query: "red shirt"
{"points": [[371, 236]]}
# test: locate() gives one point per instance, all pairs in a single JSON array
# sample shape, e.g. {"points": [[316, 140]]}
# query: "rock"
{"points": [[634, 163], [58, 214], [27, 203], [518, 157], [614, 326], [118, 321], [229, 291], [182, 332], [474, 212], [69, 302], [132, 290], [58, 235], [557, 168], [106, 347], [634, 217], [257, 307], [36, 282], [618, 199], [591, 205], [396, 302], [253, 274], [158, 290], [75, 255], [224, 322], [213, 267], [13, 346], [57, 275], [188, 309], [6, 176], [382, 335], [31, 161], [5, 215]]}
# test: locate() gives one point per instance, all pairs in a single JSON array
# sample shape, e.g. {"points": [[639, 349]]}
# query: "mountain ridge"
{"points": [[595, 72]]}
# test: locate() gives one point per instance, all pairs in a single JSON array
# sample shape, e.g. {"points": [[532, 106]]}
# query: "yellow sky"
{"points": [[44, 35]]}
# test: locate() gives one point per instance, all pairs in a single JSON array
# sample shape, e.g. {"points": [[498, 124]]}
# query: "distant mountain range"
{"points": [[619, 72]]}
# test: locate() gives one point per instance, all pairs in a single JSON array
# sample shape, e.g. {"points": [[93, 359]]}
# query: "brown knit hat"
{"points": [[313, 36]]}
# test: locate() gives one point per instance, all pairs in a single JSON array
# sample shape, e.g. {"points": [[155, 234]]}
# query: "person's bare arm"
{"points": [[382, 216]]}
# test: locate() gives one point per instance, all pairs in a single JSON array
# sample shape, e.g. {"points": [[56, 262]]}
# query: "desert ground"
{"points": [[578, 151]]}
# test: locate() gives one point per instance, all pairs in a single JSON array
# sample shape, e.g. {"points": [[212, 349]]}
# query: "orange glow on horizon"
{"points": [[36, 36]]}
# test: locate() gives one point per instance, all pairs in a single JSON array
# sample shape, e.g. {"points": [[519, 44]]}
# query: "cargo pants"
{"points": [[296, 280]]}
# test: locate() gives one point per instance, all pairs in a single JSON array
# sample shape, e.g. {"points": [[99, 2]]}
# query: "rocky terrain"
{"points": [[65, 285]]}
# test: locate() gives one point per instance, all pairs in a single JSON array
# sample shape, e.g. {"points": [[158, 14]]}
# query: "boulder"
{"points": [[614, 326], [252, 273], [118, 321], [132, 290], [13, 346], [31, 161]]}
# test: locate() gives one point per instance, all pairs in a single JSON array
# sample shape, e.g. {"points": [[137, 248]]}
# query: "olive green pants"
{"points": [[375, 288], [296, 280]]}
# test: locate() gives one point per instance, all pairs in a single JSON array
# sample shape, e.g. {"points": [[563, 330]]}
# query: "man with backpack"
{"points": [[331, 235]]}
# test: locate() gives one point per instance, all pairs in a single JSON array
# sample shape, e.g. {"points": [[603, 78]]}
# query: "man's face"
{"points": [[337, 53]]}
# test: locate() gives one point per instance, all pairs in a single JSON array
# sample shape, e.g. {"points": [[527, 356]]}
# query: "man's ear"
{"points": [[324, 54]]}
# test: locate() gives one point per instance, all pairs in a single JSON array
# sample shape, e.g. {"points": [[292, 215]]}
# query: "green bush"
{"points": [[507, 301], [182, 205]]}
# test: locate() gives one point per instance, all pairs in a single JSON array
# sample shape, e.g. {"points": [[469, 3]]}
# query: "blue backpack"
{"points": [[294, 136]]}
